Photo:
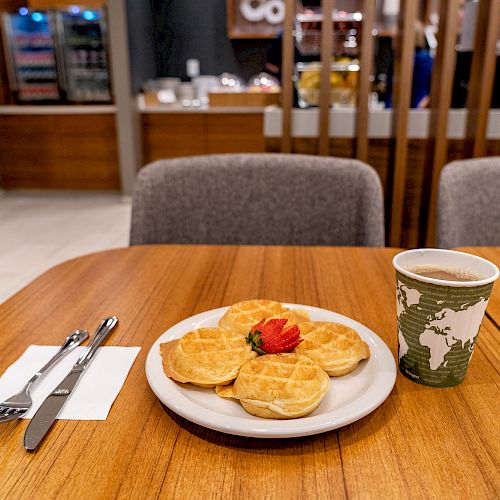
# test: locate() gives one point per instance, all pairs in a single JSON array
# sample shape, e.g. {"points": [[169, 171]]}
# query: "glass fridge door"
{"points": [[31, 56], [82, 43]]}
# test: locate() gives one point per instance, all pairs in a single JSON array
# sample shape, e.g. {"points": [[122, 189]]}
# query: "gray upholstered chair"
{"points": [[261, 199], [469, 203]]}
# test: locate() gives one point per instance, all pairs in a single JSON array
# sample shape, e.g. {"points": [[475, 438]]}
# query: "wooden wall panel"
{"points": [[57, 4], [59, 152], [172, 135], [11, 5], [235, 133]]}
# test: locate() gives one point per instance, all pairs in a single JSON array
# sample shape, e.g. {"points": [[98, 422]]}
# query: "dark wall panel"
{"points": [[197, 29], [140, 20]]}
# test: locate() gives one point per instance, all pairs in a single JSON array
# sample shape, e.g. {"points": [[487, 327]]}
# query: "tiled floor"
{"points": [[38, 231]]}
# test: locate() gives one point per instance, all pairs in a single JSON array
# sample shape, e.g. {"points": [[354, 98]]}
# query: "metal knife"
{"points": [[45, 416]]}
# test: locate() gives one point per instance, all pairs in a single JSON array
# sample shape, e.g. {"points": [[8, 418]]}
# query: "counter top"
{"points": [[57, 109], [305, 123], [143, 108]]}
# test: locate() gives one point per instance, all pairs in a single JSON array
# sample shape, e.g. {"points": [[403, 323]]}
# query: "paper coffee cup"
{"points": [[439, 320]]}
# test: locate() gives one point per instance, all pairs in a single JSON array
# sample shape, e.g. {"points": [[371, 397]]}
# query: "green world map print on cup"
{"points": [[439, 320]]}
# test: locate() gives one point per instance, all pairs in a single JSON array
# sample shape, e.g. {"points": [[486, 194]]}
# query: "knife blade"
{"points": [[47, 413]]}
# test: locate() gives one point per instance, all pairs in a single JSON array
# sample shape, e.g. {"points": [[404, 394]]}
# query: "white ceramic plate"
{"points": [[349, 398]]}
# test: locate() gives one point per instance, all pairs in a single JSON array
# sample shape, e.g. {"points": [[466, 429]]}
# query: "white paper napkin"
{"points": [[94, 393]]}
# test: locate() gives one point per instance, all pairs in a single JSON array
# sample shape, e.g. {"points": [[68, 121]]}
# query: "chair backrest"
{"points": [[469, 203], [261, 199]]}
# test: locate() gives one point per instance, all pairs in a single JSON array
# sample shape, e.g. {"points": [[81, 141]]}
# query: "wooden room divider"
{"points": [[436, 152]]}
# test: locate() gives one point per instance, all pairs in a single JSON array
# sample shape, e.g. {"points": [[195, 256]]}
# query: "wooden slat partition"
{"points": [[426, 11], [324, 91], [482, 75], [442, 84], [364, 86], [403, 75], [286, 75]]}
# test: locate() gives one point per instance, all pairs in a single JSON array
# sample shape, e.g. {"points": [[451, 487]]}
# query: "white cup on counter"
{"points": [[203, 85], [186, 94]]}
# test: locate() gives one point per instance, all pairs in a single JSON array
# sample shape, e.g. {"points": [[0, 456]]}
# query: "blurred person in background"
{"points": [[422, 72]]}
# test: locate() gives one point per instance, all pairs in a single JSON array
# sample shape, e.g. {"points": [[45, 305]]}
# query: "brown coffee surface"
{"points": [[441, 273]]}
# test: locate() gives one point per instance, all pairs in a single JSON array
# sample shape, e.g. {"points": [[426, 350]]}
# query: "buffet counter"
{"points": [[170, 131], [60, 146]]}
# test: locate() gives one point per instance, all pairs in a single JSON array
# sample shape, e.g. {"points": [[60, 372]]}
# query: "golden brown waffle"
{"points": [[294, 317], [336, 348], [206, 357], [279, 386], [243, 315]]}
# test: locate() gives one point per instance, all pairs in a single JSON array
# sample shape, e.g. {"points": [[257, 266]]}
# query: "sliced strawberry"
{"points": [[272, 338]]}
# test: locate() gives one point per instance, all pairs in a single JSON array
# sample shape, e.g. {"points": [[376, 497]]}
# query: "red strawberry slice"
{"points": [[272, 337]]}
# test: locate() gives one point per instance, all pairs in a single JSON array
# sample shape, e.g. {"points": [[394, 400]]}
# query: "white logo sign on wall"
{"points": [[254, 11]]}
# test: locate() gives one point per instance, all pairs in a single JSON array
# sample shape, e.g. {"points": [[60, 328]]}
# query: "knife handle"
{"points": [[99, 337], [72, 341]]}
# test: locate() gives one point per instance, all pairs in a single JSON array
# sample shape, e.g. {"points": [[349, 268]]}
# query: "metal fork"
{"points": [[16, 406]]}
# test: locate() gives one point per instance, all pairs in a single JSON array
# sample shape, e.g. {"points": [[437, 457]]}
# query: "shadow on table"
{"points": [[324, 442], [380, 420]]}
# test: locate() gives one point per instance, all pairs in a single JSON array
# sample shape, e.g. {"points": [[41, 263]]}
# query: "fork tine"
{"points": [[8, 411], [12, 415]]}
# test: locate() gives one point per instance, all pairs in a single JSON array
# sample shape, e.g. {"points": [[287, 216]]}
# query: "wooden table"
{"points": [[493, 255], [420, 443]]}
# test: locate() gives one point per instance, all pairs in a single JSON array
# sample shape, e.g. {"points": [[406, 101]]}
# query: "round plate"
{"points": [[349, 398]]}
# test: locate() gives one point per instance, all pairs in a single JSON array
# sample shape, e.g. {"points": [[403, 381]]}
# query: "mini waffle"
{"points": [[294, 317], [243, 315], [336, 348], [206, 357], [279, 386]]}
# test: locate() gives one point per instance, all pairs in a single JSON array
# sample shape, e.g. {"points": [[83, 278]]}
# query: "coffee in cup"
{"points": [[441, 298]]}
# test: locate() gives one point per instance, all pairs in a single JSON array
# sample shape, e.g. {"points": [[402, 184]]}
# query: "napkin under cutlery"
{"points": [[95, 392]]}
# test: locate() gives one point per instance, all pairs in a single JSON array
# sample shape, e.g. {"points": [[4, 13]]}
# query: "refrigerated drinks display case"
{"points": [[31, 58], [81, 46], [58, 55]]}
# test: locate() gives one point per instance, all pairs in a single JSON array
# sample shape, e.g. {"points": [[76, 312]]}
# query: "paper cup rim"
{"points": [[434, 281]]}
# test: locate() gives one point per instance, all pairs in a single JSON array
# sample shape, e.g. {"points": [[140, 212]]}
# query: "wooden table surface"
{"points": [[493, 255], [420, 443]]}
